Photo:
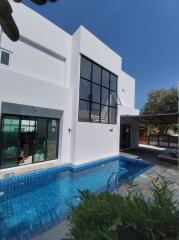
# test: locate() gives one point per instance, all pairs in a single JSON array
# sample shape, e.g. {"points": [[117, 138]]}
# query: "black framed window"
{"points": [[84, 111], [105, 78], [112, 115], [85, 90], [10, 141], [96, 77], [104, 114], [40, 140], [113, 82], [113, 99], [95, 112], [28, 139], [86, 66], [95, 93], [52, 139], [104, 96], [98, 93]]}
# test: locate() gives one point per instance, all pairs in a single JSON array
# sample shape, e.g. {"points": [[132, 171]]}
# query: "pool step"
{"points": [[117, 178]]}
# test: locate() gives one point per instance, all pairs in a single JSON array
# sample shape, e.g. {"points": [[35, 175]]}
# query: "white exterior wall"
{"points": [[21, 89], [92, 141], [127, 96], [29, 60], [35, 77], [44, 71], [41, 35], [126, 92], [134, 132]]}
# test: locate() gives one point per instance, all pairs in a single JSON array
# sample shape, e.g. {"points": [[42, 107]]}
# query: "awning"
{"points": [[167, 118]]}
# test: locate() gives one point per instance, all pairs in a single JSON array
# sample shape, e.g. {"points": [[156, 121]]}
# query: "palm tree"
{"points": [[6, 20]]}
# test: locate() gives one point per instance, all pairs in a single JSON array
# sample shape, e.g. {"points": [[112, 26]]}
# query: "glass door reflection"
{"points": [[10, 141], [26, 140], [40, 143]]}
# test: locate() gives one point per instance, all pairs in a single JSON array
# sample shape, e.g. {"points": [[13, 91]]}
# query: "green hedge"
{"points": [[108, 216]]}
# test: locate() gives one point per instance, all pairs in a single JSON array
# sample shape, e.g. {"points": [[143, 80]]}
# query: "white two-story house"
{"points": [[61, 95]]}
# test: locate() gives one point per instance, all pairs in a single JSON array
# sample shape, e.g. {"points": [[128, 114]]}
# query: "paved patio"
{"points": [[150, 154], [144, 181], [58, 232], [170, 171]]}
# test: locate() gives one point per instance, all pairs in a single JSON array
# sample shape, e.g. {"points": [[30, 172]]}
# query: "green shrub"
{"points": [[108, 216]]}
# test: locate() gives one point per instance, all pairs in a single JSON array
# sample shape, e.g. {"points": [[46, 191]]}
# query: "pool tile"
{"points": [[35, 202]]}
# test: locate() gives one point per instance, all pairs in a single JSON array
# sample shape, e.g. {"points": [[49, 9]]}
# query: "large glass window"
{"points": [[112, 115], [104, 114], [86, 67], [52, 139], [113, 82], [40, 140], [96, 77], [98, 93], [84, 111], [105, 96], [105, 78], [10, 141], [28, 140], [85, 90], [113, 99], [95, 93], [95, 112]]}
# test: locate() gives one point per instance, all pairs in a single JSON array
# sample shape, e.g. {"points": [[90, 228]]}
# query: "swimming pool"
{"points": [[34, 202]]}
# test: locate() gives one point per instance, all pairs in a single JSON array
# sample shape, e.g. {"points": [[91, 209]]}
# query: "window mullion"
{"points": [[108, 103], [100, 98], [91, 93]]}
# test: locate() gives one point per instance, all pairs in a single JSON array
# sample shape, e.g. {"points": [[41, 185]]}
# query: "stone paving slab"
{"points": [[58, 232], [143, 181]]}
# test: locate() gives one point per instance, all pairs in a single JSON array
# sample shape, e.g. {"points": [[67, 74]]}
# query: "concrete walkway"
{"points": [[58, 232]]}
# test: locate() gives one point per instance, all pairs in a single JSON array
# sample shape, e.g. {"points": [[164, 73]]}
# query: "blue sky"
{"points": [[144, 32]]}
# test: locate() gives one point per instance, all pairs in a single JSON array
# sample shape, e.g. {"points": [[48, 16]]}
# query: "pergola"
{"points": [[167, 118]]}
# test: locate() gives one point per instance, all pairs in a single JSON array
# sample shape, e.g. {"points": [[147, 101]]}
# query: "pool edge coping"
{"points": [[76, 167]]}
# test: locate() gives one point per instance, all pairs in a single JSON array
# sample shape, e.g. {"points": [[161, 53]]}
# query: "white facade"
{"points": [[44, 71]]}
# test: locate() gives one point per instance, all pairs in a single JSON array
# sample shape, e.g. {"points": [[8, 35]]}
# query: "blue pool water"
{"points": [[32, 203]]}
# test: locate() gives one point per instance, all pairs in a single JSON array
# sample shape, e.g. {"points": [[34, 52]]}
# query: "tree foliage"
{"points": [[161, 101]]}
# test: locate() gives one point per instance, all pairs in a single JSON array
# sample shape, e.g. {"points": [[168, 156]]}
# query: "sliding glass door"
{"points": [[10, 141], [40, 140], [52, 139], [28, 139]]}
